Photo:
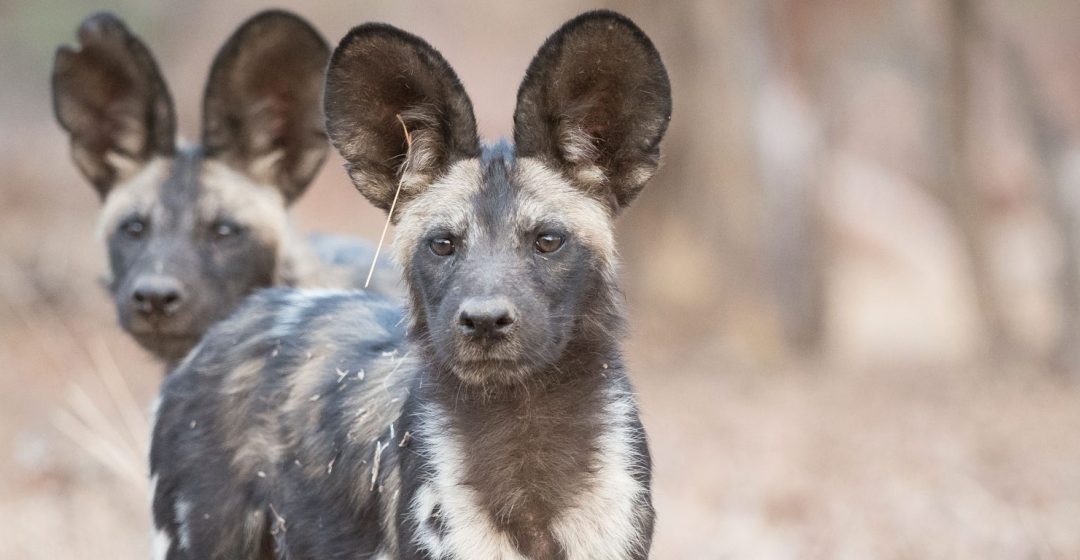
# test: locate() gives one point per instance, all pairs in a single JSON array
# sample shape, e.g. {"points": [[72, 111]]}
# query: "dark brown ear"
{"points": [[376, 74], [111, 99], [595, 103], [262, 109]]}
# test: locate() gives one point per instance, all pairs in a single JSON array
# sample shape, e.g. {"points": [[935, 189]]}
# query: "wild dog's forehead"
{"points": [[445, 204], [226, 193], [503, 194], [137, 195], [164, 190], [544, 196]]}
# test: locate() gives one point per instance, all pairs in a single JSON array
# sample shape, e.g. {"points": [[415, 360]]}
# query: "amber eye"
{"points": [[133, 227], [442, 246], [549, 242]]}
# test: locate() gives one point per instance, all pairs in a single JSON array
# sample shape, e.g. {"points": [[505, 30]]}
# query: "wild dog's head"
{"points": [[191, 231], [509, 257]]}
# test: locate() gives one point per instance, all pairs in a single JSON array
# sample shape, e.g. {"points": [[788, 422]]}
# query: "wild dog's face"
{"points": [[508, 256], [502, 254], [188, 239], [191, 232]]}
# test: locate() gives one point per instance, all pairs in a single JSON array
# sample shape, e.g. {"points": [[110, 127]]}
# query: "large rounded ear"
{"points": [[262, 109], [377, 75], [595, 103], [111, 99]]}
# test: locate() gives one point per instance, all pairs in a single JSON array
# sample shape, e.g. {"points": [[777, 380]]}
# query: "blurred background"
{"points": [[854, 286]]}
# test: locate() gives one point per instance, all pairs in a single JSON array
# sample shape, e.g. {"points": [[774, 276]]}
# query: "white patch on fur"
{"points": [[155, 408], [469, 532], [641, 174], [183, 511], [153, 488], [579, 149], [264, 168], [159, 546], [589, 175], [423, 507], [577, 145], [297, 302], [605, 522]]}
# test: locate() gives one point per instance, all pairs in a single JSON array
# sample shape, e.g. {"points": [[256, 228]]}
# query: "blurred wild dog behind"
{"points": [[193, 230]]}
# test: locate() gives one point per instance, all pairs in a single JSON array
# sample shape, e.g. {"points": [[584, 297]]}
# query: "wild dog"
{"points": [[498, 421], [193, 230]]}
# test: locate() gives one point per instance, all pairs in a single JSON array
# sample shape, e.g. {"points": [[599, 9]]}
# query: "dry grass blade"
{"points": [[116, 459], [89, 428], [83, 406], [120, 393], [390, 213]]}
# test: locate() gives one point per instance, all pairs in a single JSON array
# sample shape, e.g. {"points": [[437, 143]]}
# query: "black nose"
{"points": [[486, 317], [157, 296]]}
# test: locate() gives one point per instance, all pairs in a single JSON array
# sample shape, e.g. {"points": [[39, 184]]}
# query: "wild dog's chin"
{"points": [[169, 348], [503, 365], [493, 373]]}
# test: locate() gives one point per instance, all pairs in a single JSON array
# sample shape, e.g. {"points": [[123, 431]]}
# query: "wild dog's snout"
{"points": [[486, 318], [157, 296]]}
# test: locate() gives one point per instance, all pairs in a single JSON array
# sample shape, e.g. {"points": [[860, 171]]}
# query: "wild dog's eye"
{"points": [[133, 227], [549, 242], [224, 229], [442, 246]]}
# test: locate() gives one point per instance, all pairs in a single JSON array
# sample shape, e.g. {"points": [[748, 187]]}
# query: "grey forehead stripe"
{"points": [[181, 189], [494, 201]]}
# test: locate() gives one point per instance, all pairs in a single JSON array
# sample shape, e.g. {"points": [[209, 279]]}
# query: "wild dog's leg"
{"points": [[204, 507], [210, 526]]}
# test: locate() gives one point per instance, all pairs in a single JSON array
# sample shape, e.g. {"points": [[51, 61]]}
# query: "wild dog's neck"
{"points": [[528, 454]]}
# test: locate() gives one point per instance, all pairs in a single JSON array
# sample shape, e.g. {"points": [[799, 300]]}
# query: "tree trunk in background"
{"points": [[1049, 142], [738, 209], [958, 190], [695, 234], [789, 155]]}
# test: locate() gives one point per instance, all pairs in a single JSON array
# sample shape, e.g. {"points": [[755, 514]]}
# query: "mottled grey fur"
{"points": [[492, 419]]}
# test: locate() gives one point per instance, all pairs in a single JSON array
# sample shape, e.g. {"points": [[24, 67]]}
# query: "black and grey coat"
{"points": [[493, 418]]}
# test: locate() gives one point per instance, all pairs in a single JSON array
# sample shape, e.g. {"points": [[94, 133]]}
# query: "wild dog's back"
{"points": [[290, 386]]}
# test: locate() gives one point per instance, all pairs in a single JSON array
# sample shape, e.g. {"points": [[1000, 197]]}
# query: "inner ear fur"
{"points": [[595, 103], [262, 109], [110, 97], [377, 74]]}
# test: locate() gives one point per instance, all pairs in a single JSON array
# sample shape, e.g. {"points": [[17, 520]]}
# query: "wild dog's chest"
{"points": [[519, 495]]}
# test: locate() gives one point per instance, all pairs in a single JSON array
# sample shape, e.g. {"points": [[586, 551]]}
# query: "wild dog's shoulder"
{"points": [[345, 261], [286, 323]]}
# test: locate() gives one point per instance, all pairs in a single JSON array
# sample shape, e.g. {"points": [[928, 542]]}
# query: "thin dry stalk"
{"points": [[83, 421], [83, 406], [390, 213], [113, 458], [120, 393]]}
